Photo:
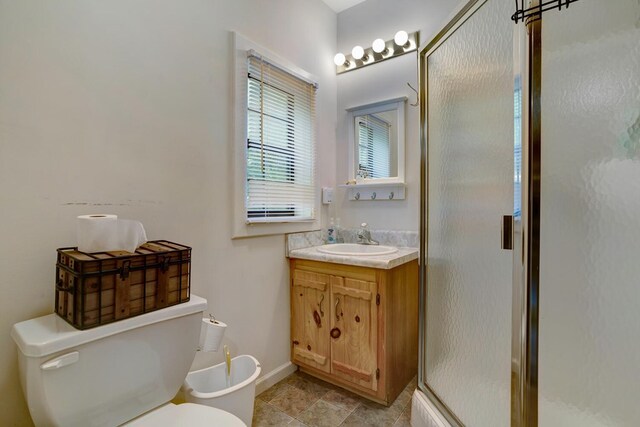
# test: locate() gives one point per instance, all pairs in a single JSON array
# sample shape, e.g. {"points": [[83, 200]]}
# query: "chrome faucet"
{"points": [[364, 236]]}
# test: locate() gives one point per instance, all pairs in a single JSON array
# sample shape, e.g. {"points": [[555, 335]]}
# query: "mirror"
{"points": [[376, 139]]}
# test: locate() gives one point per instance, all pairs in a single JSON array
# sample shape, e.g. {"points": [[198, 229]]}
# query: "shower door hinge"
{"points": [[377, 299], [378, 373]]}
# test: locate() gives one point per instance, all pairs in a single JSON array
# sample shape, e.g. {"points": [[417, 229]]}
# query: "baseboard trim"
{"points": [[272, 378]]}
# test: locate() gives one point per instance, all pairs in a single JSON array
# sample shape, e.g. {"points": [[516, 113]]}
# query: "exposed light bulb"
{"points": [[339, 59], [358, 52], [379, 46], [401, 38]]}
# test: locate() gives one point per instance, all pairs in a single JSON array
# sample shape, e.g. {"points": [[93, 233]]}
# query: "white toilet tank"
{"points": [[110, 374]]}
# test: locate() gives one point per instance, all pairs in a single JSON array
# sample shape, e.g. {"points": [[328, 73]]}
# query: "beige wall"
{"points": [[125, 107], [360, 25]]}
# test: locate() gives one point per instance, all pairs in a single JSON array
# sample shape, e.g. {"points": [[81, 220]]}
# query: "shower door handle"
{"points": [[507, 232]]}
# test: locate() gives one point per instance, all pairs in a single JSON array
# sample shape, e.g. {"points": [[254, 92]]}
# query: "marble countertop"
{"points": [[385, 262]]}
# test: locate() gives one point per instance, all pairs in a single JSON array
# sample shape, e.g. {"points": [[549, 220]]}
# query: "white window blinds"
{"points": [[373, 147], [280, 144]]}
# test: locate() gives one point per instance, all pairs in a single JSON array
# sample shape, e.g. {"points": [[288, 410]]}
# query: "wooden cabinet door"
{"points": [[354, 331], [310, 319]]}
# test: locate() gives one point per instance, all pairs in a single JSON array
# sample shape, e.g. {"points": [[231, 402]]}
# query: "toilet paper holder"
{"points": [[212, 319]]}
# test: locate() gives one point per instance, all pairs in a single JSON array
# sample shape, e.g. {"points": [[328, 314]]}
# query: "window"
{"points": [[280, 144], [373, 147]]}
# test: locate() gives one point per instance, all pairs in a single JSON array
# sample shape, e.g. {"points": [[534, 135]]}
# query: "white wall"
{"points": [[362, 24], [125, 107]]}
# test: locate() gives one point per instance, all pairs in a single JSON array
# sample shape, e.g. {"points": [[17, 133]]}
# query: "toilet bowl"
{"points": [[122, 372], [186, 415]]}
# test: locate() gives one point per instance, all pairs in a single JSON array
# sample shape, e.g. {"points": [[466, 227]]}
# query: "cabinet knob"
{"points": [[335, 333]]}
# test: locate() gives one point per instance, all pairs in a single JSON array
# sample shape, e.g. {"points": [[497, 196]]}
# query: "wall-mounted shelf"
{"points": [[375, 191]]}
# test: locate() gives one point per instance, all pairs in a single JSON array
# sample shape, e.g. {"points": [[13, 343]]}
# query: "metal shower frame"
{"points": [[526, 226]]}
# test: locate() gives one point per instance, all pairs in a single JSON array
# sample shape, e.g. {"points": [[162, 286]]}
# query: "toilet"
{"points": [[122, 373]]}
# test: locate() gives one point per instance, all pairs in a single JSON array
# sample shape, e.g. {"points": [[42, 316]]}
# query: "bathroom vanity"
{"points": [[354, 320]]}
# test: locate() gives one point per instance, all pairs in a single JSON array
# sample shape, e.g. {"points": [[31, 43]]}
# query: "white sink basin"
{"points": [[352, 249]]}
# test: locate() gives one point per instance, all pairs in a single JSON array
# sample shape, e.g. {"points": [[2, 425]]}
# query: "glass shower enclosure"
{"points": [[530, 216]]}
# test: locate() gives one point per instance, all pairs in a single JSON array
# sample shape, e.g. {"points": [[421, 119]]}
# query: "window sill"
{"points": [[261, 229]]}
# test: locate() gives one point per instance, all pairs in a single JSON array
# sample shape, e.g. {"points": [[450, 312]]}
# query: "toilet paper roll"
{"points": [[211, 334], [105, 232], [131, 234]]}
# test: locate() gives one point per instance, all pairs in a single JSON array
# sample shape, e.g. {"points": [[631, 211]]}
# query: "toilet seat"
{"points": [[186, 415]]}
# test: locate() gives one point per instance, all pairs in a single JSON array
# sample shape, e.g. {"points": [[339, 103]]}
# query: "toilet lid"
{"points": [[187, 415]]}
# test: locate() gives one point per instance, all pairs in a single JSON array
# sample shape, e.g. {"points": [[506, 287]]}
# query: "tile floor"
{"points": [[302, 400]]}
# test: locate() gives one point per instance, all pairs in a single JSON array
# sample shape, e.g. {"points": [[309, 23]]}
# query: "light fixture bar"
{"points": [[391, 50]]}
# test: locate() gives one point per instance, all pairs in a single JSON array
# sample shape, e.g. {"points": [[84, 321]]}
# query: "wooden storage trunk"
{"points": [[93, 289]]}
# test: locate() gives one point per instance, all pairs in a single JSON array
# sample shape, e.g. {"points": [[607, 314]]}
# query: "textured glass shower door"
{"points": [[470, 185], [589, 348]]}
